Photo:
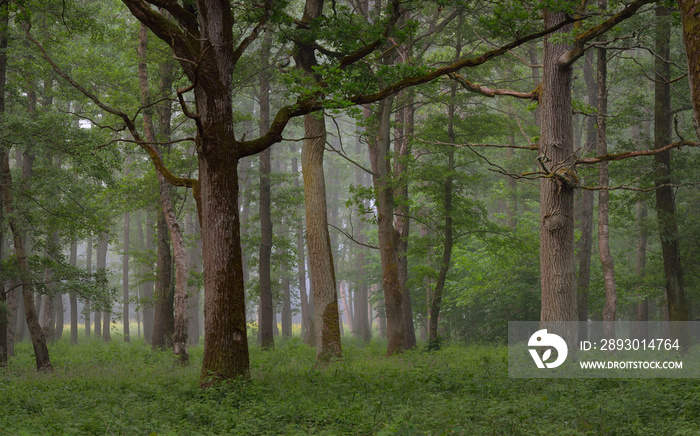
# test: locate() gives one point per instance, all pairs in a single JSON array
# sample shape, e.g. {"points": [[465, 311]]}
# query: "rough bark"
{"points": [[558, 273], [323, 284], [72, 297], [147, 287], [606, 259], [88, 268], [266, 327], [665, 201], [307, 318], [163, 318]]}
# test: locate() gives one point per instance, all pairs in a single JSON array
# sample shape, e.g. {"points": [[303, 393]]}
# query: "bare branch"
{"points": [[352, 238], [628, 154], [492, 92]]}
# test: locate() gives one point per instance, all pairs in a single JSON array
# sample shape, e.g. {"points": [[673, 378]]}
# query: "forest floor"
{"points": [[120, 388]]}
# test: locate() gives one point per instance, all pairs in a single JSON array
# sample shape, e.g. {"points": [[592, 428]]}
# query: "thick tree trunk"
{"points": [[266, 328], [606, 259], [323, 285], [307, 318], [41, 351], [72, 297], [558, 273], [665, 201]]}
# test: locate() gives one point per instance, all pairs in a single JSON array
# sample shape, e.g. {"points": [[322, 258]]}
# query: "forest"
{"points": [[311, 217]]}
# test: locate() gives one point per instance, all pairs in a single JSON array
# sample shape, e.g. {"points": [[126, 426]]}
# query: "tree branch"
{"points": [[628, 154], [492, 92]]}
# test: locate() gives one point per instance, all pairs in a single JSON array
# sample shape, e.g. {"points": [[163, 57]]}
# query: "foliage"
{"points": [[123, 388]]}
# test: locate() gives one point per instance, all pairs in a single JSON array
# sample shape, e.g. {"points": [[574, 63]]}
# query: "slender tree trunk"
{"points": [[125, 264], [558, 273], [174, 326], [402, 150], [147, 304], [665, 201], [102, 248], [362, 328], [606, 259], [642, 307], [88, 268], [163, 320], [72, 297], [41, 351], [586, 209], [266, 327], [384, 194]]}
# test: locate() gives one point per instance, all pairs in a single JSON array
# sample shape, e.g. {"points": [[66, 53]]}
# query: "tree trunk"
{"points": [[72, 297], [147, 306], [163, 320], [174, 326], [665, 201], [41, 351], [402, 150], [606, 259], [586, 209], [690, 17], [266, 308], [384, 195], [88, 268], [642, 307], [323, 284], [558, 273], [125, 264], [362, 325], [102, 248], [306, 315]]}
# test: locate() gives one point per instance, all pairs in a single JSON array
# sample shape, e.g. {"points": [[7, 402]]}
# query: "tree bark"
{"points": [[665, 201], [362, 324], [402, 150], [606, 259], [88, 268], [558, 273], [384, 195], [307, 318], [174, 326], [147, 307], [323, 284], [125, 264], [690, 17], [266, 327]]}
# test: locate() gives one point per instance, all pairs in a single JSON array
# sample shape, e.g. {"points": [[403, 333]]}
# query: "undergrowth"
{"points": [[128, 389]]}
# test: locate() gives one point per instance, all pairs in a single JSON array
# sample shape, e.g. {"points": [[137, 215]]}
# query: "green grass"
{"points": [[127, 389]]}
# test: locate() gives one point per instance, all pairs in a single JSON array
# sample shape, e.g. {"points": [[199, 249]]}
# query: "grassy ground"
{"points": [[127, 389]]}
